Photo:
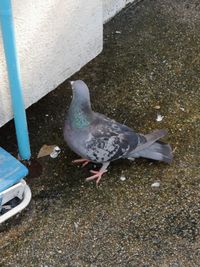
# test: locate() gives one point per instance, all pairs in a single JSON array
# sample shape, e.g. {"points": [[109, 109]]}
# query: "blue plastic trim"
{"points": [[11, 171], [1, 198], [6, 20]]}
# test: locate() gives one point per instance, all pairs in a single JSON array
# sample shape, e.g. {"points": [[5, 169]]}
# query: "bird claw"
{"points": [[83, 161], [97, 175]]}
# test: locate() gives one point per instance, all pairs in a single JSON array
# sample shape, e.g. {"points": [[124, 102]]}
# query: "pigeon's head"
{"points": [[80, 90]]}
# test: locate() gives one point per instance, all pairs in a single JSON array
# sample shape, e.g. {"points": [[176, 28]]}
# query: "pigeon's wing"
{"points": [[109, 140]]}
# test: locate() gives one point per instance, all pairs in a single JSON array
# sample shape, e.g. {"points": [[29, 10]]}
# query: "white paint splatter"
{"points": [[159, 117]]}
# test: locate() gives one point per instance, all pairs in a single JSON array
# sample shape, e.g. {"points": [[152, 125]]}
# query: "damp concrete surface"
{"points": [[144, 213]]}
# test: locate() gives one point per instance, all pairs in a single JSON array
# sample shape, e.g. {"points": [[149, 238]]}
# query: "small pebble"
{"points": [[122, 178], [157, 107], [155, 184], [76, 227]]}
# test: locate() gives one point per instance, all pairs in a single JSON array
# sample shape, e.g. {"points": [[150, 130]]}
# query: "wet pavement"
{"points": [[150, 65]]}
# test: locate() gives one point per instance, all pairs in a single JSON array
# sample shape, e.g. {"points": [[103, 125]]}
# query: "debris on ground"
{"points": [[122, 178], [49, 150], [157, 107], [159, 117], [155, 184], [56, 151]]}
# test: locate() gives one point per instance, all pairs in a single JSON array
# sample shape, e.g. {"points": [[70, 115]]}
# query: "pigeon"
{"points": [[99, 139]]}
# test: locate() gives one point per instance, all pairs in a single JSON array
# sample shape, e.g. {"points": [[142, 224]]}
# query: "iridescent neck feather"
{"points": [[80, 114]]}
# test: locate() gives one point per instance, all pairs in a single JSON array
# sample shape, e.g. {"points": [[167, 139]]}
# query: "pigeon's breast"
{"points": [[75, 139]]}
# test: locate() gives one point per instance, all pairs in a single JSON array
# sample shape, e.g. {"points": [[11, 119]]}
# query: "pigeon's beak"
{"points": [[71, 82]]}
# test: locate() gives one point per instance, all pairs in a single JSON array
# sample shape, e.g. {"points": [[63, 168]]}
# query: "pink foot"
{"points": [[83, 161], [98, 174]]}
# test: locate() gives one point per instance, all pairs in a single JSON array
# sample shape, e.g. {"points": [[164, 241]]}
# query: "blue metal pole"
{"points": [[7, 28]]}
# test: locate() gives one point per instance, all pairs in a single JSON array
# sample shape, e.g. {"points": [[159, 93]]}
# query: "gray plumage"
{"points": [[100, 139]]}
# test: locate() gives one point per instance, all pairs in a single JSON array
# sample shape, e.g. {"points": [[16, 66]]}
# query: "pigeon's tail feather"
{"points": [[156, 151], [153, 148], [155, 135]]}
